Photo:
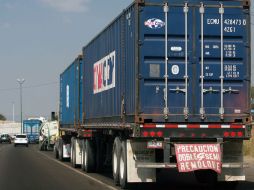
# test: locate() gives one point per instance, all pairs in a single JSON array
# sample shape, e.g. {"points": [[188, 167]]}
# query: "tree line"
{"points": [[2, 117]]}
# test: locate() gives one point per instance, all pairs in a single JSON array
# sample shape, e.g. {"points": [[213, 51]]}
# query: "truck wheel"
{"points": [[116, 159], [123, 166], [60, 150], [56, 152], [73, 152], [88, 156], [71, 157], [99, 155], [83, 155]]}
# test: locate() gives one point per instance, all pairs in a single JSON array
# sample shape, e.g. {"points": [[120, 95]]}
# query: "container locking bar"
{"points": [[221, 110], [166, 110], [202, 110], [186, 109]]}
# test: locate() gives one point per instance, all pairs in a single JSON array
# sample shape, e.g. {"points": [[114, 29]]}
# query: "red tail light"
{"points": [[226, 134], [145, 134], [240, 134], [152, 134], [159, 134], [233, 134]]}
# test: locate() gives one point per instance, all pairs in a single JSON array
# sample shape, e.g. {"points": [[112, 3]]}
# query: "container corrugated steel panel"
{"points": [[125, 64], [71, 81]]}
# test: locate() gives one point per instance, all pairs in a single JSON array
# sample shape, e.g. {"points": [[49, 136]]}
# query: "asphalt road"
{"points": [[23, 168]]}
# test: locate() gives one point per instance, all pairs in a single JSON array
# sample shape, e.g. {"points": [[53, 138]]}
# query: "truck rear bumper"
{"points": [[174, 165]]}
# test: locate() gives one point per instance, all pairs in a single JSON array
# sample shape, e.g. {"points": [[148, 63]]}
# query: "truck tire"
{"points": [[123, 166], [73, 152], [60, 150], [83, 155], [56, 152], [116, 159], [99, 155], [88, 156]]}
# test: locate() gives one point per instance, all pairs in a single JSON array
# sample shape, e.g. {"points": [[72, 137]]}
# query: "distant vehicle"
{"points": [[31, 128], [5, 138], [21, 139], [13, 137], [48, 135]]}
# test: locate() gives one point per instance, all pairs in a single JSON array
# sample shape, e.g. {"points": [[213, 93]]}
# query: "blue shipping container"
{"points": [[208, 64], [71, 82]]}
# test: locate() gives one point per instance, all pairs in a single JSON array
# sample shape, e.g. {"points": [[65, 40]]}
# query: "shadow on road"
{"points": [[172, 180]]}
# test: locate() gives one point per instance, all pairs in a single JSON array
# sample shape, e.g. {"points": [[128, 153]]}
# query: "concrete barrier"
{"points": [[10, 127]]}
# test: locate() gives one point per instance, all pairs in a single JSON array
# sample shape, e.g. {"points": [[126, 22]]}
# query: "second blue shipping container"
{"points": [[71, 83]]}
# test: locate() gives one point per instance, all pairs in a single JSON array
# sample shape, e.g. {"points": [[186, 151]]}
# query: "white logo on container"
{"points": [[175, 69], [154, 23]]}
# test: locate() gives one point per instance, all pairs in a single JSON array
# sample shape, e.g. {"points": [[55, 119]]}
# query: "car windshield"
{"points": [[21, 136]]}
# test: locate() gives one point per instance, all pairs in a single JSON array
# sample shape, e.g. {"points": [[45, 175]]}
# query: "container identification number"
{"points": [[230, 24]]}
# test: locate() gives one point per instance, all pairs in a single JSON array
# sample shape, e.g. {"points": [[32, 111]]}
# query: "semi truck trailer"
{"points": [[31, 128], [166, 85]]}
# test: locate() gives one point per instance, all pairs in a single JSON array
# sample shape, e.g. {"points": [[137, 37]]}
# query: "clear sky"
{"points": [[38, 40]]}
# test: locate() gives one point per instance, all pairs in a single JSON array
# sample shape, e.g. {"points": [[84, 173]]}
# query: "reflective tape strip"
{"points": [[193, 126], [203, 126], [160, 126], [182, 126]]}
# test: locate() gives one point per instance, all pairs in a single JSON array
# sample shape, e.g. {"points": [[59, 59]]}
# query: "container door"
{"points": [[223, 82], [162, 97], [201, 81]]}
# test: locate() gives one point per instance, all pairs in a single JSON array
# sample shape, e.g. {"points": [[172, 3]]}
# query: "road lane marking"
{"points": [[77, 171]]}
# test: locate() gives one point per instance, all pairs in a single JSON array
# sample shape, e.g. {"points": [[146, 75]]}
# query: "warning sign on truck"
{"points": [[191, 157]]}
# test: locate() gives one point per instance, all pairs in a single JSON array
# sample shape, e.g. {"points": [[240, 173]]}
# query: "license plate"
{"points": [[154, 144]]}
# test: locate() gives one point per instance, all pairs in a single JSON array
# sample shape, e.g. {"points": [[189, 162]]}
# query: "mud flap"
{"points": [[138, 152], [66, 150], [232, 153]]}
